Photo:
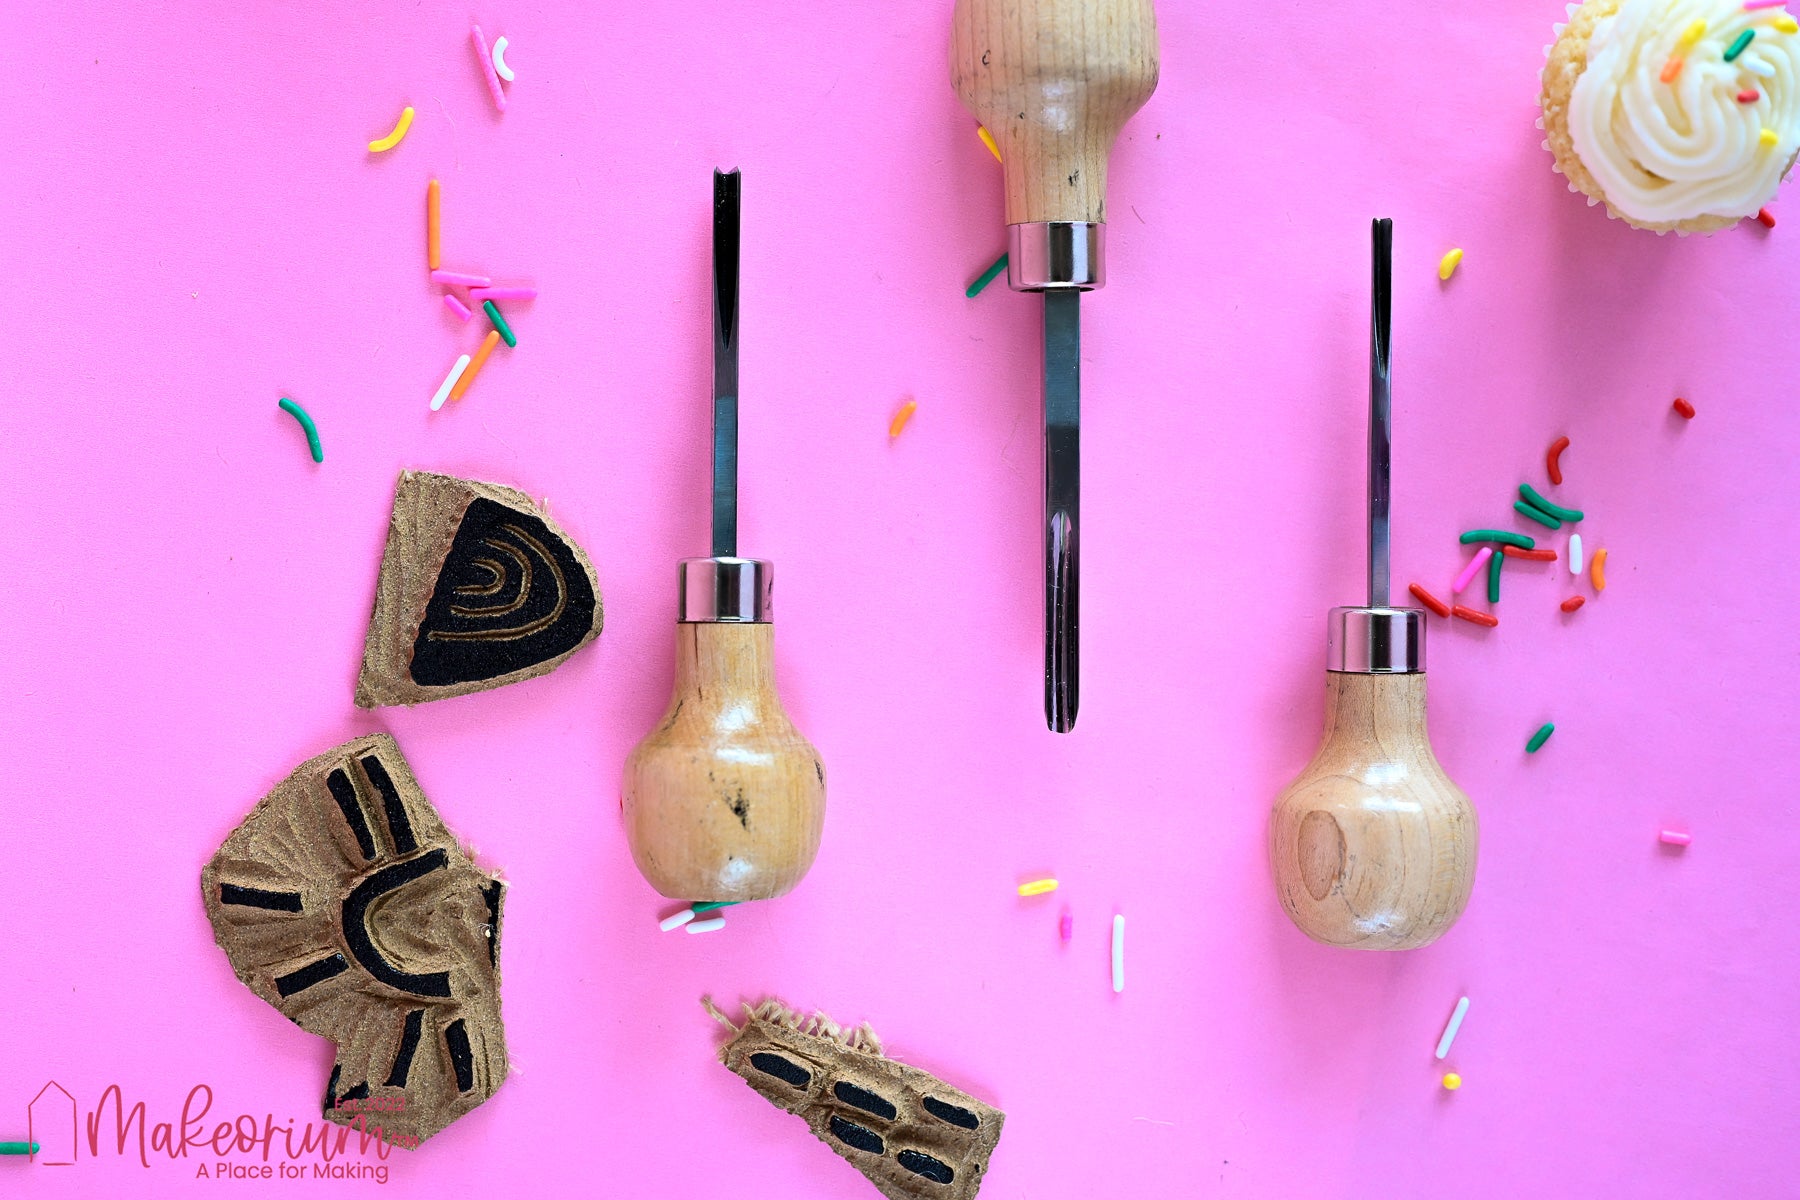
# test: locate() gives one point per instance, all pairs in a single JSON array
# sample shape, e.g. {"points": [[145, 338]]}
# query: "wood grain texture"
{"points": [[1054, 81], [1373, 847], [725, 799]]}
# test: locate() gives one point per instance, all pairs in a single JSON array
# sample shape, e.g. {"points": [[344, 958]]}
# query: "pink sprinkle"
{"points": [[1753, 5], [1674, 837], [503, 293], [457, 306], [1468, 572], [460, 278], [1066, 926], [1749, 96], [487, 67]]}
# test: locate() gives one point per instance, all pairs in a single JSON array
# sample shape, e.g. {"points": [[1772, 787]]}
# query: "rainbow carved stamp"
{"points": [[478, 589], [344, 901]]}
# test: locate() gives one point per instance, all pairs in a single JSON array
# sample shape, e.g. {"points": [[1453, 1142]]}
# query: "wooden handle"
{"points": [[1373, 846], [725, 799], [1054, 81]]}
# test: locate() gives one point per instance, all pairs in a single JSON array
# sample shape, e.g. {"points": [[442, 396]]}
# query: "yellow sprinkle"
{"points": [[1037, 887], [1787, 24], [393, 139], [902, 417], [1694, 33], [987, 139], [1452, 1081], [1447, 265], [1767, 137]]}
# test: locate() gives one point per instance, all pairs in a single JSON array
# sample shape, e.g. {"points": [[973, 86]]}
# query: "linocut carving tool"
{"points": [[1373, 846], [724, 799], [1053, 81]]}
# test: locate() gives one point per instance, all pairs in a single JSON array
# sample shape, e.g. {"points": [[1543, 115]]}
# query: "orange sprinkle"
{"points": [[1573, 603], [1553, 460], [481, 356], [1598, 570], [1429, 601], [1671, 69], [1766, 217], [434, 256], [902, 417], [1683, 407], [1535, 554], [1477, 618]]}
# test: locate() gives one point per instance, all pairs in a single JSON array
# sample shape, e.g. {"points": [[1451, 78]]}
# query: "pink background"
{"points": [[193, 229]]}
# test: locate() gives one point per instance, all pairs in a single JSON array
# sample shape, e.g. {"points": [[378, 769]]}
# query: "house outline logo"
{"points": [[44, 1126]]}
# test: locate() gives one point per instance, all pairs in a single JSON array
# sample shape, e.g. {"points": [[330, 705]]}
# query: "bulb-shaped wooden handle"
{"points": [[725, 799], [1373, 846], [1054, 81]]}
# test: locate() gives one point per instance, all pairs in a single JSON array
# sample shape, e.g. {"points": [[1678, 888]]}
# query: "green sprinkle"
{"points": [[1539, 738], [709, 905], [1542, 518], [1737, 47], [306, 423], [1497, 535], [19, 1147], [1494, 578], [506, 333], [1556, 510], [987, 277]]}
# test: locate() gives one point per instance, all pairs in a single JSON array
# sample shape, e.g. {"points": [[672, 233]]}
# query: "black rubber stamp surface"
{"points": [[510, 595]]}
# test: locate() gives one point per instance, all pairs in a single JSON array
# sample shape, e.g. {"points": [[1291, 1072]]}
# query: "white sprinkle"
{"points": [[437, 401], [500, 67], [707, 926], [1118, 953], [1456, 1018], [677, 921], [1575, 554], [1758, 67]]}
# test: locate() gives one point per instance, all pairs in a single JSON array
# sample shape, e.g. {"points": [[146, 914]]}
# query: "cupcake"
{"points": [[1675, 114]]}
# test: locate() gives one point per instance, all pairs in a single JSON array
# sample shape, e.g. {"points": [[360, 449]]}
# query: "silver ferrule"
{"points": [[1044, 256], [1375, 641], [727, 589]]}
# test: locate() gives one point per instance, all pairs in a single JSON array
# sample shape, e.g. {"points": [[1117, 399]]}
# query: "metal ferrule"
{"points": [[1043, 256], [727, 589], [1375, 641]]}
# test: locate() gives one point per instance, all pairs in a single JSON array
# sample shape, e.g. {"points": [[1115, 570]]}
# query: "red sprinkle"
{"points": [[1553, 460], [1478, 618], [1766, 217], [1684, 408], [1749, 96], [1535, 555], [1573, 603], [1429, 601]]}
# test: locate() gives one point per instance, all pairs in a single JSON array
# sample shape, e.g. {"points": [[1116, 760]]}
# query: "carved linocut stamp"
{"points": [[344, 901], [911, 1133], [478, 589]]}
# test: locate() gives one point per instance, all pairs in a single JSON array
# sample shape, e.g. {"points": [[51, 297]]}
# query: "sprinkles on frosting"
{"points": [[1679, 145]]}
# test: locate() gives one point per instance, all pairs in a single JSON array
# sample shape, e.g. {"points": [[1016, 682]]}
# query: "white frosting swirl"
{"points": [[1666, 152]]}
